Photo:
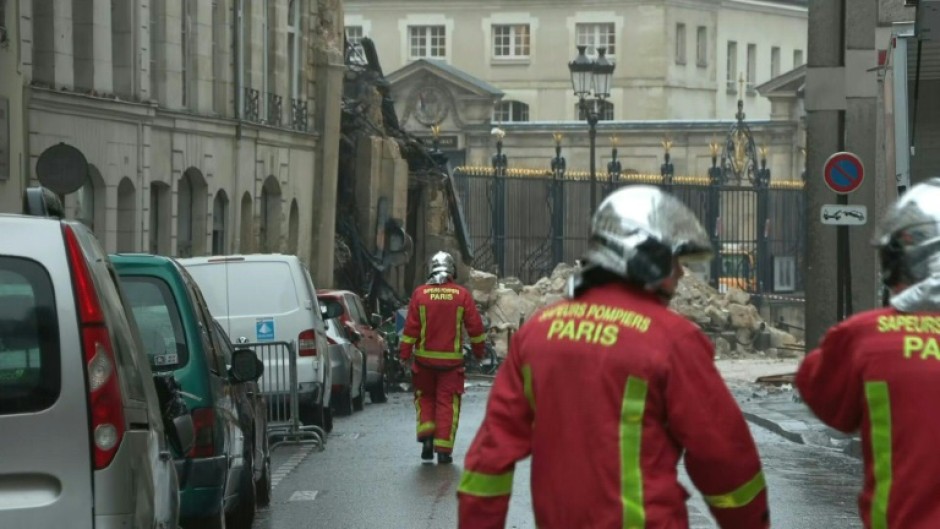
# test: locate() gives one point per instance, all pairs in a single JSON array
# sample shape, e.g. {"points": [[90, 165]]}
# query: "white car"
{"points": [[263, 298]]}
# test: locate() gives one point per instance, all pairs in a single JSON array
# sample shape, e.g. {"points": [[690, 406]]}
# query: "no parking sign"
{"points": [[843, 172]]}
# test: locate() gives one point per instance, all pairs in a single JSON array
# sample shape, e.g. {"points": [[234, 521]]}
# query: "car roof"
{"points": [[141, 260], [254, 257]]}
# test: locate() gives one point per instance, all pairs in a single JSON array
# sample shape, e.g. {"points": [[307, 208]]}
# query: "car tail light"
{"points": [[104, 389], [204, 428], [307, 343]]}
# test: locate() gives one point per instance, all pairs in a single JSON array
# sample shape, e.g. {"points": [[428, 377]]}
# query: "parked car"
{"points": [[271, 298], [349, 367], [176, 328], [253, 417], [372, 343], [84, 443]]}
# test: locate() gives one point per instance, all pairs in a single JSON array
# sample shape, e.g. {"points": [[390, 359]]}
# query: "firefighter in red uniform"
{"points": [[878, 372], [437, 315], [608, 389]]}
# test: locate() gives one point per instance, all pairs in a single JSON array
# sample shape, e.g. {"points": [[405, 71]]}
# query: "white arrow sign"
{"points": [[843, 215]]}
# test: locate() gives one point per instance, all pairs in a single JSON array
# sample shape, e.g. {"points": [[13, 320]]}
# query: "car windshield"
{"points": [[29, 338], [161, 329]]}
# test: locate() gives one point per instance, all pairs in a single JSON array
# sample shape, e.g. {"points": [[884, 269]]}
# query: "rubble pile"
{"points": [[733, 323]]}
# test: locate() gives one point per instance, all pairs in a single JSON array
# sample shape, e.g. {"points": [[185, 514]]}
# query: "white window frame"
{"points": [[701, 46], [591, 34], [425, 32], [354, 40], [774, 62], [731, 68], [606, 107], [751, 74], [507, 107], [798, 59], [520, 41], [682, 44], [293, 41]]}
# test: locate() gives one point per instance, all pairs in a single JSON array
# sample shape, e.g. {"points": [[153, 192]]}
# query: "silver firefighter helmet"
{"points": [[441, 268], [908, 241], [638, 230]]}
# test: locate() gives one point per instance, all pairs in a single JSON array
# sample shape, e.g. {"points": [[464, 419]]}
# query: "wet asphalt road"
{"points": [[370, 475]]}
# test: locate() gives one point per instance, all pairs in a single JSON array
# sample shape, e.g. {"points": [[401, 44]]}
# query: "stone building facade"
{"points": [[204, 123]]}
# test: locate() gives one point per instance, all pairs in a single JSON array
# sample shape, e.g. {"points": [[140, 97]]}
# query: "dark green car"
{"points": [[227, 471]]}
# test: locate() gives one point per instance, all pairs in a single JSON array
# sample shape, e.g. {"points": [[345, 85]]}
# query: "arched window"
{"points": [[605, 111], [293, 227], [510, 111], [219, 223], [191, 214], [160, 218], [90, 202], [127, 216], [247, 224], [271, 215]]}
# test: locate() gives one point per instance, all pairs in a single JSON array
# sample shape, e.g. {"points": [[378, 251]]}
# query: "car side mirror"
{"points": [[330, 309], [183, 434], [376, 321], [245, 366]]}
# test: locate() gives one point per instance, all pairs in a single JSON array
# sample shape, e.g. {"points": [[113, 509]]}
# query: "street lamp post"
{"points": [[589, 76]]}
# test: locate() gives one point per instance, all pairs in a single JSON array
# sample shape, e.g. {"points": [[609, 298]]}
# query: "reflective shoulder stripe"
{"points": [[879, 415], [631, 435], [408, 339], [485, 485], [527, 385], [478, 339], [739, 497]]}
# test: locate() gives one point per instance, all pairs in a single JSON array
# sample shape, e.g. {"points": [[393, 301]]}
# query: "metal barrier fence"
{"points": [[280, 388]]}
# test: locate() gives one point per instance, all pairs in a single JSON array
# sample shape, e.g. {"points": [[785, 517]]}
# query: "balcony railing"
{"points": [[298, 114], [275, 107], [252, 110]]}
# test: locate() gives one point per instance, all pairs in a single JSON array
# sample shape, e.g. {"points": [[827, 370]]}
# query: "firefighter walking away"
{"points": [[608, 389], [437, 315], [877, 371]]}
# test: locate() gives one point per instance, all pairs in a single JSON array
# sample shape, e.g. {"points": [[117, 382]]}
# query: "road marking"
{"points": [[288, 466], [304, 495]]}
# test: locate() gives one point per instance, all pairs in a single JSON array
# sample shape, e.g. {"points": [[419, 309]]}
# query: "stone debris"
{"points": [[733, 323]]}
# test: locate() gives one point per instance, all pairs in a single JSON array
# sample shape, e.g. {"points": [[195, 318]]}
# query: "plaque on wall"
{"points": [[4, 138]]}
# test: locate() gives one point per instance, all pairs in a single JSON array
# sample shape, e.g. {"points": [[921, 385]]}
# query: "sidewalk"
{"points": [[779, 409]]}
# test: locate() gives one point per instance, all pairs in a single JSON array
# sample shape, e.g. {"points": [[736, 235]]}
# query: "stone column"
{"points": [[92, 46]]}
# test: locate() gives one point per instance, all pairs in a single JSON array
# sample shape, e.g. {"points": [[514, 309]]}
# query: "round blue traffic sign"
{"points": [[843, 172]]}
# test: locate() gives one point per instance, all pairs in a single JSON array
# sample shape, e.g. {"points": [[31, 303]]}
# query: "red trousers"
{"points": [[437, 403]]}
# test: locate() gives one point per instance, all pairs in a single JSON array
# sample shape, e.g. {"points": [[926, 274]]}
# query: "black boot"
{"points": [[427, 449], [444, 459]]}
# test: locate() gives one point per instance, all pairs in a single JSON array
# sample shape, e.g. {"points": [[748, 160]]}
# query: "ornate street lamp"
{"points": [[589, 76]]}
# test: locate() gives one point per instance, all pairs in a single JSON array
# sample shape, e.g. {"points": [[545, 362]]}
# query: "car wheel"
{"points": [[359, 403], [244, 513], [313, 414], [344, 406], [378, 393], [263, 485]]}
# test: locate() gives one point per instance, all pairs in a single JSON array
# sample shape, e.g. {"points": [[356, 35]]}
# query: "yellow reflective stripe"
{"points": [[424, 427], [437, 355], [527, 385], [631, 435], [739, 497], [443, 443], [485, 485], [459, 334], [423, 314], [449, 443], [408, 339], [478, 339], [879, 415]]}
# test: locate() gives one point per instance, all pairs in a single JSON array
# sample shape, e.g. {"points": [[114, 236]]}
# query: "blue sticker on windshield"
{"points": [[264, 329]]}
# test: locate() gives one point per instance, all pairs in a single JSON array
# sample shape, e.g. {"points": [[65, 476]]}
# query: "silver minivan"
{"points": [[82, 436]]}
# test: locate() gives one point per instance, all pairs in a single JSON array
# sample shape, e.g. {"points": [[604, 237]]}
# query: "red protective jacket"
{"points": [[605, 392], [435, 323], [879, 371]]}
